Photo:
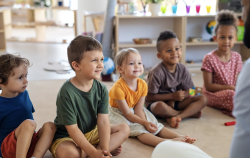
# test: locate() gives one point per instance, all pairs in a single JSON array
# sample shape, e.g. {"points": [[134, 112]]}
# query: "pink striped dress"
{"points": [[223, 74]]}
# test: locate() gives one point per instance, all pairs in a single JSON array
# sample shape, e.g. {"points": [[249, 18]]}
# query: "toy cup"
{"points": [[208, 8], [198, 7], [188, 8], [163, 9], [174, 9]]}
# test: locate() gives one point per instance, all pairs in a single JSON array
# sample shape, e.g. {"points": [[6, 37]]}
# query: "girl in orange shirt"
{"points": [[127, 97]]}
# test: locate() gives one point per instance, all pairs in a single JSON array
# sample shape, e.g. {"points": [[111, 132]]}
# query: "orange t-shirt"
{"points": [[121, 91]]}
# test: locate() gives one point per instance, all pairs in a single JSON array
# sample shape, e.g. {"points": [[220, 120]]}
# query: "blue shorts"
{"points": [[176, 106]]}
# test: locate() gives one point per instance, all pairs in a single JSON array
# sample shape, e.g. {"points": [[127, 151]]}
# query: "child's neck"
{"points": [[8, 94], [170, 67], [224, 56], [131, 82], [83, 84]]}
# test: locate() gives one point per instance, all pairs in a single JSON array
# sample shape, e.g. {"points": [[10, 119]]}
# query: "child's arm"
{"points": [[104, 132], [76, 134], [176, 96], [124, 108], [139, 108], [212, 87]]}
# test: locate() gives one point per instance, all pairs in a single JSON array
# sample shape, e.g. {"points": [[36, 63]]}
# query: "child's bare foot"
{"points": [[174, 122], [181, 138], [190, 140], [197, 115], [117, 151], [186, 139]]}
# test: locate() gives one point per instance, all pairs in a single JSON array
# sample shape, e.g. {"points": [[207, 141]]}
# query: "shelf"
{"points": [[130, 44], [61, 8], [206, 43], [2, 50], [148, 15], [168, 15]]}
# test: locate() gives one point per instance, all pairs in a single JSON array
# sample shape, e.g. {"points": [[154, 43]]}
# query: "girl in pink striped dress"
{"points": [[222, 66]]}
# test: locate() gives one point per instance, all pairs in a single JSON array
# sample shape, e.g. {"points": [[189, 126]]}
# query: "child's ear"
{"points": [[75, 65], [215, 38], [119, 68], [159, 56]]}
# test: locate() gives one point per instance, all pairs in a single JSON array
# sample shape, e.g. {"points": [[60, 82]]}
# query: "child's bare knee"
{"points": [[29, 124], [69, 152], [49, 126], [125, 129], [203, 98], [160, 106]]}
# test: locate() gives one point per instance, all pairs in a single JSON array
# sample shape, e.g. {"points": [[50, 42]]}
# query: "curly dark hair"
{"points": [[165, 35], [79, 45], [226, 18], [7, 63]]}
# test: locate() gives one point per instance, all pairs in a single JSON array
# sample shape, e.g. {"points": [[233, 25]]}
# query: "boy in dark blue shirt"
{"points": [[17, 126]]}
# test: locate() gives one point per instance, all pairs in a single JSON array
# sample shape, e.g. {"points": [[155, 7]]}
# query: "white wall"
{"points": [[88, 5]]}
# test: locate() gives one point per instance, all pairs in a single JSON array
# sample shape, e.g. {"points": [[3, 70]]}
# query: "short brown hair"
{"points": [[7, 63], [79, 46]]}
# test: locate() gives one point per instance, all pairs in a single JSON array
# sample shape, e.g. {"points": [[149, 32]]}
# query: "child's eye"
{"points": [[102, 59], [177, 48], [26, 75], [20, 77], [139, 63], [93, 60], [169, 50], [230, 37], [131, 63]]}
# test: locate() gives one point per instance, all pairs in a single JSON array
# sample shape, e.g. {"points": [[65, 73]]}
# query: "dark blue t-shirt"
{"points": [[13, 111]]}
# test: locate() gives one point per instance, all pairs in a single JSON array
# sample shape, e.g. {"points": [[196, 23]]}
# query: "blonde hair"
{"points": [[123, 54]]}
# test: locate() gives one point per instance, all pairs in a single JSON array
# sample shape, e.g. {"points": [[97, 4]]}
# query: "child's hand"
{"points": [[97, 154], [107, 153], [179, 95], [152, 128]]}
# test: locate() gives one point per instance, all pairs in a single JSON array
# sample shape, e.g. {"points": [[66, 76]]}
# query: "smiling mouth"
{"points": [[98, 71], [174, 57]]}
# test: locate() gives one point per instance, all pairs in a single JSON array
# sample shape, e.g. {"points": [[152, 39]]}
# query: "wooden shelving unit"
{"points": [[4, 27], [128, 27]]}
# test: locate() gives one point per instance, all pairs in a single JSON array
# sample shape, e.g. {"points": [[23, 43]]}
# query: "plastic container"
{"points": [[241, 30]]}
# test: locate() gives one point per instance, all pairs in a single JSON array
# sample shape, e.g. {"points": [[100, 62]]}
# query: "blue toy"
{"points": [[109, 66]]}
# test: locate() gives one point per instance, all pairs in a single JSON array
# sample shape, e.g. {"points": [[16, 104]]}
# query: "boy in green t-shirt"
{"points": [[82, 120]]}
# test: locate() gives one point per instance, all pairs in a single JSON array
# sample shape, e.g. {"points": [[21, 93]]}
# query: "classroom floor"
{"points": [[212, 136]]}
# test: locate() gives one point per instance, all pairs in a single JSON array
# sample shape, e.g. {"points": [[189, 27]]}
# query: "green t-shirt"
{"points": [[77, 107]]}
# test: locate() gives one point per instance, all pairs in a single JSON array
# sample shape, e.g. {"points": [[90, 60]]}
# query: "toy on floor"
{"points": [[230, 123], [192, 92]]}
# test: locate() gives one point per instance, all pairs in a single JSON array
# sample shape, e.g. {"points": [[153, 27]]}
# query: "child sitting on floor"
{"points": [[17, 126], [82, 121], [127, 97], [222, 66], [169, 83]]}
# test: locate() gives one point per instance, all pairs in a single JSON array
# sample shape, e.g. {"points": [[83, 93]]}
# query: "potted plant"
{"points": [[154, 6]]}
